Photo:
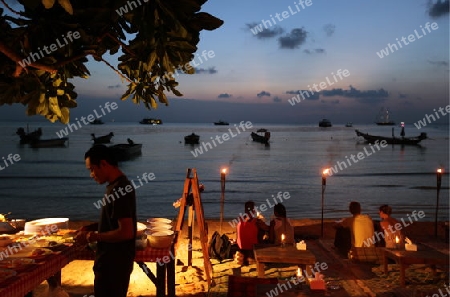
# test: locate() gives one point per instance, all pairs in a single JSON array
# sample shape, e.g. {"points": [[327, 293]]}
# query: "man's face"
{"points": [[96, 171]]}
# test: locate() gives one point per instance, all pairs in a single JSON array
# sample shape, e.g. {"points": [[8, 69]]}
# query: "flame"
{"points": [[299, 272], [325, 171], [439, 170], [224, 170], [282, 237], [397, 239]]}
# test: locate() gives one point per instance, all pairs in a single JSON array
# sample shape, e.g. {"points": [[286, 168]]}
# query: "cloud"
{"points": [[355, 93], [329, 29], [438, 63], [294, 39], [263, 93], [306, 95], [224, 95], [114, 87], [402, 96], [316, 51], [438, 9], [210, 70], [261, 31], [277, 99]]}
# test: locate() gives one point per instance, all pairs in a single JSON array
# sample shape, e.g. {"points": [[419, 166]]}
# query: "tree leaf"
{"points": [[48, 3]]}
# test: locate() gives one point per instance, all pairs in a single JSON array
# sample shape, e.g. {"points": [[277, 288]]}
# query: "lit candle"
{"points": [[299, 272], [257, 214], [397, 239], [282, 238]]}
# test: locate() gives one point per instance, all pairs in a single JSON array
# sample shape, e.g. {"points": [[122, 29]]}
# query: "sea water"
{"points": [[54, 182]]}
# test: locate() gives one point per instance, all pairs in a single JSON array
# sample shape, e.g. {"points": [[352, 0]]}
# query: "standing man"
{"points": [[116, 230]]}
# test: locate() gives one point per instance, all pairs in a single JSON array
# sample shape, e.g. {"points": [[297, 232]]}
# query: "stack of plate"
{"points": [[159, 231], [46, 226]]}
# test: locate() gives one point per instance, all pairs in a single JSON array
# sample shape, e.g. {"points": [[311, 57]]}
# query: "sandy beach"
{"points": [[354, 278]]}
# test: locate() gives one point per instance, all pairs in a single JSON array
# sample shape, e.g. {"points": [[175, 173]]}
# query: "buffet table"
{"points": [[164, 279], [30, 276]]}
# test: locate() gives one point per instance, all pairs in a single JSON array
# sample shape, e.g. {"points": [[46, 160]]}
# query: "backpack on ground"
{"points": [[219, 247]]}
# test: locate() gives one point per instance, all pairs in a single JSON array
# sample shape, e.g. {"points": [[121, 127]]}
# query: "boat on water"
{"points": [[192, 139], [392, 140], [102, 139], [126, 151], [28, 137], [96, 122], [325, 123], [349, 124], [261, 135], [52, 142], [383, 118], [150, 121], [221, 123]]}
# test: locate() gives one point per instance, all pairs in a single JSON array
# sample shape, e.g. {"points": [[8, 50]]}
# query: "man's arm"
{"points": [[123, 233]]}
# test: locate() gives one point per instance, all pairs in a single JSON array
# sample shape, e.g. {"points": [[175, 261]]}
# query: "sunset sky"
{"points": [[305, 43]]}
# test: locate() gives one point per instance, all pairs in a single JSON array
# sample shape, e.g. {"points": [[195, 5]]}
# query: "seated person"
{"points": [[360, 228], [388, 226], [281, 225], [250, 231]]}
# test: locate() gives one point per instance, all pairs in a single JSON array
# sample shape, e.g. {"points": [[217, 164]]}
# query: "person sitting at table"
{"points": [[360, 228], [388, 226], [280, 226], [250, 231]]}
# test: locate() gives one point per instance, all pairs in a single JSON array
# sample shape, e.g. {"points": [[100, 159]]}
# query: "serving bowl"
{"points": [[161, 239], [140, 228], [159, 220]]}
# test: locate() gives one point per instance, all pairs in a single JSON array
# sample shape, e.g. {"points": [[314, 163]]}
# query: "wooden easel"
{"points": [[191, 197]]}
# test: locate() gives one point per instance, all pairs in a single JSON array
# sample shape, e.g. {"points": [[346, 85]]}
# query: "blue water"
{"points": [[53, 182]]}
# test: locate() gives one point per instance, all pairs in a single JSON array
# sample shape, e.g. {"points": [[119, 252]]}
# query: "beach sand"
{"points": [[355, 278]]}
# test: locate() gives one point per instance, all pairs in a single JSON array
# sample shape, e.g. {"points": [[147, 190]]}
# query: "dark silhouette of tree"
{"points": [[46, 43]]}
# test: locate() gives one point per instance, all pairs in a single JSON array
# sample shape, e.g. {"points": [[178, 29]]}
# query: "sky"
{"points": [[292, 61]]}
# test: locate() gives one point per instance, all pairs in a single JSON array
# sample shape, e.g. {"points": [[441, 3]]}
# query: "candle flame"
{"points": [[224, 170], [325, 171], [282, 237], [439, 170], [299, 272], [397, 239]]}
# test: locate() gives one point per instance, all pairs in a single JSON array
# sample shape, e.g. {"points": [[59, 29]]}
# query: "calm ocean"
{"points": [[53, 182]]}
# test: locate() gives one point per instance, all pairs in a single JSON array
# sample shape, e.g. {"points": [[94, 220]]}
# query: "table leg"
{"points": [[385, 264], [260, 269], [171, 278], [161, 280]]}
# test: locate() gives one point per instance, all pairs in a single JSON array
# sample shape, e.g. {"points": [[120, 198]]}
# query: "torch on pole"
{"points": [[438, 187], [324, 184], [223, 173]]}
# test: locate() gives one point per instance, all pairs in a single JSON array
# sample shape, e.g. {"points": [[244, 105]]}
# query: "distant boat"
{"points": [[392, 140], [150, 121], [261, 135], [102, 139], [382, 118], [126, 151], [349, 124], [52, 142], [192, 139], [96, 122], [28, 137], [221, 123], [325, 123]]}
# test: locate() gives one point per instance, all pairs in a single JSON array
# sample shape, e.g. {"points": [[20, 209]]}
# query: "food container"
{"points": [[141, 242], [162, 239], [159, 220], [140, 228], [46, 226], [5, 240]]}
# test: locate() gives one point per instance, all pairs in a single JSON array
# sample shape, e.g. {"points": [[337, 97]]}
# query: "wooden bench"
{"points": [[367, 254]]}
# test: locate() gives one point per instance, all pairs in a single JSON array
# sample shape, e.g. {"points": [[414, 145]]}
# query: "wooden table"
{"points": [[405, 258], [30, 276], [164, 279], [278, 254]]}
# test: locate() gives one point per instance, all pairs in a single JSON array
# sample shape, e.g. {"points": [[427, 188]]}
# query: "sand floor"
{"points": [[355, 279]]}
